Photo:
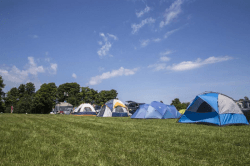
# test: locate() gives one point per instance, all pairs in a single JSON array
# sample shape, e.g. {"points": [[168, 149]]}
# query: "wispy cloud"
{"points": [[142, 12], [170, 32], [53, 68], [166, 52], [106, 44], [74, 75], [158, 66], [114, 73], [188, 65], [137, 27], [112, 36], [156, 40], [13, 76], [171, 13], [144, 43], [161, 64], [16, 75], [164, 59]]}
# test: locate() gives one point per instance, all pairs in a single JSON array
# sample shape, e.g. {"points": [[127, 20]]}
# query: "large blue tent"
{"points": [[213, 108], [156, 110]]}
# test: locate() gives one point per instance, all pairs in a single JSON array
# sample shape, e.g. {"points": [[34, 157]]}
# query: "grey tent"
{"points": [[65, 107]]}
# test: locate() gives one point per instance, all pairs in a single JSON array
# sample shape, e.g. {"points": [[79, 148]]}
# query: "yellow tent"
{"points": [[182, 111]]}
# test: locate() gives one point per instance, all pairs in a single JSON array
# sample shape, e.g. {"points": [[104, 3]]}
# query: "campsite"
{"points": [[124, 82]]}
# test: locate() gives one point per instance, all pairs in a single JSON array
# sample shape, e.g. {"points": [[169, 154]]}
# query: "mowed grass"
{"points": [[71, 140]]}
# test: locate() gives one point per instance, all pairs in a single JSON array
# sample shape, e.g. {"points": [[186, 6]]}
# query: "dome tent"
{"points": [[85, 110], [113, 108], [215, 108], [156, 110]]}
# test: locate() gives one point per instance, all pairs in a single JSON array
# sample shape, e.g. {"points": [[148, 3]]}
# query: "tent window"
{"points": [[119, 109], [204, 107], [102, 110], [78, 110], [87, 109]]}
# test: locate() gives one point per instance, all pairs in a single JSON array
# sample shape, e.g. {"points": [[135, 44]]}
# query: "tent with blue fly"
{"points": [[214, 108], [156, 110]]}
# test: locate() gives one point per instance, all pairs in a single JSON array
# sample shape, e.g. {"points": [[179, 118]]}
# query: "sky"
{"points": [[146, 50]]}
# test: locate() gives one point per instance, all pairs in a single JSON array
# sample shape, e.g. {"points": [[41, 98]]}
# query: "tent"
{"points": [[113, 108], [85, 110], [182, 111], [215, 108], [156, 110], [64, 107]]}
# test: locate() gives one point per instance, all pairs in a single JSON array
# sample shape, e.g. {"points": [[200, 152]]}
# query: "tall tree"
{"points": [[24, 104], [69, 92], [21, 90], [45, 98], [104, 96], [2, 85], [11, 99], [30, 88], [88, 95]]}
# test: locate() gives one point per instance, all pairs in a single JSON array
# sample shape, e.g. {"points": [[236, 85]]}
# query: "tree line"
{"points": [[25, 99]]}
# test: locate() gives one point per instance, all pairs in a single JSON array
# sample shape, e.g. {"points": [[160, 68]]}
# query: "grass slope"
{"points": [[70, 140]]}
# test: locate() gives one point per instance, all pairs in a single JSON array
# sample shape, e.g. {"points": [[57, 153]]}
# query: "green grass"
{"points": [[70, 140]]}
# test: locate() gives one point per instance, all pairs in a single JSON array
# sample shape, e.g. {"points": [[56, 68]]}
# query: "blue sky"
{"points": [[146, 50]]}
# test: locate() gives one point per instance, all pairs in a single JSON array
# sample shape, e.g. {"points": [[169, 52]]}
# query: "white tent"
{"points": [[85, 110]]}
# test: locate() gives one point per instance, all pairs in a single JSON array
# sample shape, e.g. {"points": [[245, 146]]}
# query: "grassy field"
{"points": [[70, 140]]}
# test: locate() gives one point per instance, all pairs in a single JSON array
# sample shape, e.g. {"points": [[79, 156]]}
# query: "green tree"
{"points": [[30, 88], [24, 104], [69, 92], [178, 105], [21, 90], [104, 96], [88, 95], [246, 98], [45, 98], [2, 85], [11, 99]]}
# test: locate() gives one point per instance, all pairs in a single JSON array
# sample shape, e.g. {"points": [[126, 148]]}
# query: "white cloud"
{"points": [[53, 67], [170, 33], [74, 75], [136, 27], [158, 66], [144, 43], [156, 40], [14, 76], [172, 12], [46, 53], [106, 44], [112, 36], [166, 53], [33, 69], [114, 73], [188, 65], [141, 13], [164, 58]]}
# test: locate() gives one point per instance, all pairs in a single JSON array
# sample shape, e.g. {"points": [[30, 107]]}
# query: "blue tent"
{"points": [[156, 110], [213, 108]]}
